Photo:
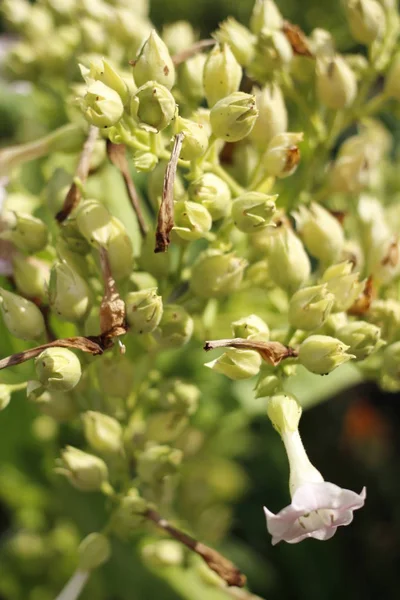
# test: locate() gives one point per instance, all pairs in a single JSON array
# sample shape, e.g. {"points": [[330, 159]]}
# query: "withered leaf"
{"points": [[297, 39], [363, 302], [272, 352], [112, 308]]}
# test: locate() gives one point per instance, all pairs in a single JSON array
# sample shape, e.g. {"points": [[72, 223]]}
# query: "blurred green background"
{"points": [[353, 439]]}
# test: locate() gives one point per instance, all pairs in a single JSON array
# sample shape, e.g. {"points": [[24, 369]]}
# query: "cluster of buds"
{"points": [[179, 196]]}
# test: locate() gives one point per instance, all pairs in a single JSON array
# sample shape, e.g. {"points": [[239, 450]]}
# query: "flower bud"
{"points": [[366, 20], [31, 276], [265, 15], [115, 376], [191, 78], [272, 115], [284, 413], [237, 364], [86, 472], [216, 274], [336, 83], [144, 161], [58, 369], [213, 193], [101, 69], [253, 211], [57, 405], [267, 386], [250, 326], [288, 262], [22, 318], [165, 426], [94, 551], [163, 553], [362, 338], [69, 295], [103, 433], [154, 106], [119, 249], [155, 264], [93, 221], [176, 327], [321, 233], [102, 106], [282, 155], [343, 284], [73, 237], [192, 220], [28, 233], [129, 515], [144, 310], [178, 36], [195, 141], [238, 37], [391, 362], [178, 396], [233, 117], [321, 354], [386, 315], [222, 74], [310, 307], [154, 63], [273, 53], [157, 462], [392, 80]]}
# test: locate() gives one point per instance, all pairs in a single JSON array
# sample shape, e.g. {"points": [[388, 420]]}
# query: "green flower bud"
{"points": [[321, 354], [140, 280], [176, 327], [238, 37], [5, 395], [58, 369], [157, 462], [272, 115], [249, 326], [265, 15], [284, 413], [129, 515], [101, 69], [69, 295], [216, 274], [233, 117], [267, 386], [155, 264], [22, 318], [144, 161], [163, 553], [237, 364], [386, 315], [103, 433], [164, 427], [115, 376], [192, 220], [178, 396], [195, 142], [25, 231], [94, 551], [282, 155], [391, 362], [154, 106], [191, 78], [273, 53], [120, 250], [94, 222], [310, 307], [321, 233], [366, 20], [102, 106], [213, 193], [288, 263], [343, 284], [336, 83], [86, 472], [57, 405], [222, 74], [362, 338], [392, 80], [253, 211], [144, 310], [73, 237], [31, 276], [154, 63], [178, 36]]}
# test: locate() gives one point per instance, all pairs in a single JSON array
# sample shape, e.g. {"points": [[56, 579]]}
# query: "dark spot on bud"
{"points": [[292, 158], [166, 70]]}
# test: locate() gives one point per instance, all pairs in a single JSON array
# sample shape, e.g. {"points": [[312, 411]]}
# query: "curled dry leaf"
{"points": [[166, 213], [363, 302], [297, 39], [272, 352], [112, 308]]}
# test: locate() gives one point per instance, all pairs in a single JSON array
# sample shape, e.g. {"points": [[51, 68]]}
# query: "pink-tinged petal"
{"points": [[323, 534], [324, 495]]}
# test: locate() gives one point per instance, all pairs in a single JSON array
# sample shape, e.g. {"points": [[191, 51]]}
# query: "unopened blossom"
{"points": [[318, 507]]}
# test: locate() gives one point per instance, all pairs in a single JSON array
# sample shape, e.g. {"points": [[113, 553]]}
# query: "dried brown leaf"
{"points": [[272, 352]]}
